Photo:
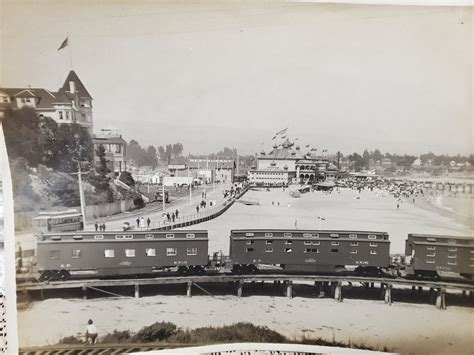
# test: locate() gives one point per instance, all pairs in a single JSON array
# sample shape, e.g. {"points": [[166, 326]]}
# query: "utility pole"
{"points": [[163, 191], [190, 188], [81, 193]]}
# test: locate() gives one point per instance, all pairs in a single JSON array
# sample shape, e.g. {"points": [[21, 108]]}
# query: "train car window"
{"points": [[191, 251], [149, 236], [249, 250], [373, 244], [250, 242], [98, 237], [56, 237], [54, 254], [334, 235], [288, 242], [354, 251], [77, 237], [430, 261], [109, 253], [316, 242], [372, 236], [452, 256], [288, 250], [76, 253], [373, 252], [190, 235], [171, 251], [311, 250], [334, 243], [431, 254], [268, 234], [453, 249], [307, 242], [354, 244], [269, 250], [452, 241], [129, 253], [169, 236], [315, 235], [334, 250], [150, 252], [451, 262], [431, 239], [430, 248], [307, 235], [269, 242], [353, 236], [287, 234], [124, 236], [249, 234]]}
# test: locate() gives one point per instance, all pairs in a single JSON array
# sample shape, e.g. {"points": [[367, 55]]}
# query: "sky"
{"points": [[214, 74]]}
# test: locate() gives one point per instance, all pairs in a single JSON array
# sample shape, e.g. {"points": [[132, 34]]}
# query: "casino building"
{"points": [[286, 164]]}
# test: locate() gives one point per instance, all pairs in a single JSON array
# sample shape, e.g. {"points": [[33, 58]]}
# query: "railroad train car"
{"points": [[430, 254], [309, 250], [119, 253]]}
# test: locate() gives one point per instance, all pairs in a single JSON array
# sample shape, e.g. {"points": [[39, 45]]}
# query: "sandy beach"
{"points": [[402, 327], [408, 328]]}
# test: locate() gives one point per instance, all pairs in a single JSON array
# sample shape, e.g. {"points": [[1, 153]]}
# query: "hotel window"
{"points": [[269, 250], [288, 250], [150, 252], [60, 115], [169, 236], [430, 248], [354, 244], [129, 253], [191, 251], [171, 251], [76, 253], [373, 244], [452, 262], [373, 252], [67, 115], [353, 236], [287, 234], [431, 254], [334, 243], [430, 261], [249, 250], [372, 236], [354, 251], [109, 253], [288, 242], [250, 242], [54, 254], [268, 234]]}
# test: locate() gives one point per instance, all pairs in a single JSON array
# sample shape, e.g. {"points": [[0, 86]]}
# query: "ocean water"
{"points": [[343, 210]]}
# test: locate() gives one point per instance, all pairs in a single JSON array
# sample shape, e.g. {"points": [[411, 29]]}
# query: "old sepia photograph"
{"points": [[251, 177]]}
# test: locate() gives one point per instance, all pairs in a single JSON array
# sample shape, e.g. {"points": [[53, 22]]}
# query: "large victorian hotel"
{"points": [[286, 163]]}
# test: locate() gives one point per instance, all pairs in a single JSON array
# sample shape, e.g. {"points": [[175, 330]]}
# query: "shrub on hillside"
{"points": [[117, 336], [70, 340], [155, 332]]}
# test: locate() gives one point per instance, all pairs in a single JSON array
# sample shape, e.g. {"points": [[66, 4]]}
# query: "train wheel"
{"points": [[183, 270], [45, 276], [64, 275]]}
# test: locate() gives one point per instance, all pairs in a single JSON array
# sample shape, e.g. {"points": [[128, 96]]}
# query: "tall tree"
{"points": [[151, 157]]}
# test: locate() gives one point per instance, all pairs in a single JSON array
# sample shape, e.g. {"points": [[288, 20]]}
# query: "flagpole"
{"points": [[69, 49]]}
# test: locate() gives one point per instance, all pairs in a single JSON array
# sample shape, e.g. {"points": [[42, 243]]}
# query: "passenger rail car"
{"points": [[118, 253], [430, 254], [309, 250]]}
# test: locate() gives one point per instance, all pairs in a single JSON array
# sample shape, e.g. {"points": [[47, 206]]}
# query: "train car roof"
{"points": [[307, 230], [441, 236], [112, 232], [58, 215]]}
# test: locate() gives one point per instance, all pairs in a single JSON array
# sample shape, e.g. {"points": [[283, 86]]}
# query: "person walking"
{"points": [[197, 209], [96, 226], [142, 222], [103, 226], [148, 221], [138, 222], [173, 217], [177, 213], [168, 217], [91, 332]]}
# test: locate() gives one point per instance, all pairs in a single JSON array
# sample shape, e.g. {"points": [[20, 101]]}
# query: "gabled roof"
{"points": [[80, 88], [44, 98]]}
